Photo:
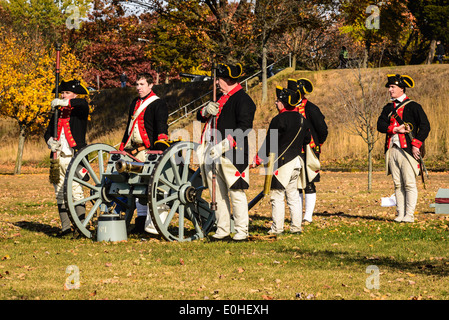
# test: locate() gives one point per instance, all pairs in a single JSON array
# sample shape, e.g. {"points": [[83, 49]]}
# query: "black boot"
{"points": [[65, 221], [81, 212], [139, 226]]}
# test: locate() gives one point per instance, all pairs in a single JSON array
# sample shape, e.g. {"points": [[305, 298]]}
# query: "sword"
{"points": [[267, 184]]}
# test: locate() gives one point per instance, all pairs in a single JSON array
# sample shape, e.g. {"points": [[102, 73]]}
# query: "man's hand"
{"points": [[416, 152], [54, 145], [59, 102], [211, 109], [401, 129]]}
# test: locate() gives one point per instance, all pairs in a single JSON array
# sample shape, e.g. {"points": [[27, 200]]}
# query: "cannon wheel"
{"points": [[178, 187], [94, 158]]}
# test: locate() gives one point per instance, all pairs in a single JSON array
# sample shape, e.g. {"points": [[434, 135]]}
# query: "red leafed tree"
{"points": [[108, 44]]}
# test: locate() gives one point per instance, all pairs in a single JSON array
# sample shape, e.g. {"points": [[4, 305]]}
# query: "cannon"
{"points": [[114, 180], [168, 182]]}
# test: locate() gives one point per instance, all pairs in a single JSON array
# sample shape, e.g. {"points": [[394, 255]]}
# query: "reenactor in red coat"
{"points": [[69, 138], [147, 129], [287, 134], [319, 131], [229, 120], [406, 127]]}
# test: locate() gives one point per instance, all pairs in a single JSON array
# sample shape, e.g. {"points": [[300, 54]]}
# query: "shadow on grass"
{"points": [[425, 267], [38, 227], [352, 216]]}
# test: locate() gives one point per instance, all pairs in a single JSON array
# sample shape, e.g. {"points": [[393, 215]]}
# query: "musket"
{"points": [[213, 204], [54, 162], [58, 50]]}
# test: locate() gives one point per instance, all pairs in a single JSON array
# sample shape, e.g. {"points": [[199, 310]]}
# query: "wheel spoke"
{"points": [[169, 184], [92, 211], [185, 169], [84, 200], [85, 183], [171, 214], [172, 197], [175, 170], [196, 222], [194, 175], [181, 223], [100, 163], [90, 170]]}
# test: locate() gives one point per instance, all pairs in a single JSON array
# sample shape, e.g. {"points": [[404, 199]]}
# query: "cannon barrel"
{"points": [[128, 166]]}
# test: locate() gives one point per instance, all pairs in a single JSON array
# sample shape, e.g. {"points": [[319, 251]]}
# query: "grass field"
{"points": [[352, 251], [351, 243]]}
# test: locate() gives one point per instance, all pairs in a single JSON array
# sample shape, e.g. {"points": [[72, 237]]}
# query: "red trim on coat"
{"points": [[64, 122]]}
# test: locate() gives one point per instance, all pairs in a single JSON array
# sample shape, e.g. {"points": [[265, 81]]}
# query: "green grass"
{"points": [[328, 261], [323, 263]]}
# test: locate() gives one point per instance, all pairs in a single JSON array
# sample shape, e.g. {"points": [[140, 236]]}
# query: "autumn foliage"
{"points": [[27, 79]]}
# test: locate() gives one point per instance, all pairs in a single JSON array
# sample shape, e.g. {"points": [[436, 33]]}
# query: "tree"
{"points": [[271, 17], [175, 47], [314, 39], [108, 44], [222, 30], [360, 109], [27, 79], [372, 25], [49, 17], [432, 19]]}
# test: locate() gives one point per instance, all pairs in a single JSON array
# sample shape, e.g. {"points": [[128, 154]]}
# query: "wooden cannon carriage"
{"points": [[115, 180]]}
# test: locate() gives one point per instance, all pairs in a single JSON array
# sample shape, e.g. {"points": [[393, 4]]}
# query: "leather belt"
{"points": [[136, 148]]}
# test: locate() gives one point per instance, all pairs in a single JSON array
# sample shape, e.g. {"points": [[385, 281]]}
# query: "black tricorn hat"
{"points": [[73, 86], [229, 71], [402, 81], [290, 98], [304, 86]]}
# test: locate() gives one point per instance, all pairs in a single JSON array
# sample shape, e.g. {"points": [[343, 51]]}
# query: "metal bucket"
{"points": [[111, 228]]}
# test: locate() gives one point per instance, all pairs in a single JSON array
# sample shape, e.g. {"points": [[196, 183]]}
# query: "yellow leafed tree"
{"points": [[27, 79]]}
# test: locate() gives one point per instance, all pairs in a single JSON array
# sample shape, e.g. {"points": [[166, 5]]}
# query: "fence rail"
{"points": [[243, 83]]}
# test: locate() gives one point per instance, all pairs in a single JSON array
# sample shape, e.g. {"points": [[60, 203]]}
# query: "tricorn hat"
{"points": [[290, 98], [229, 71], [73, 86], [402, 81], [304, 86]]}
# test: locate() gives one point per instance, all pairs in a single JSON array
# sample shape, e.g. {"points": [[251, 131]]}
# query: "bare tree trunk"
{"points": [[365, 55], [264, 75], [370, 165], [294, 61], [22, 136], [431, 52]]}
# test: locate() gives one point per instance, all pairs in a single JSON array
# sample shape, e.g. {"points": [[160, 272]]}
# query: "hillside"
{"points": [[331, 88]]}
